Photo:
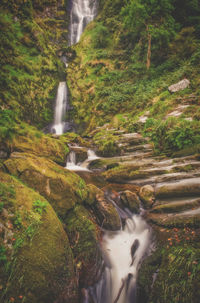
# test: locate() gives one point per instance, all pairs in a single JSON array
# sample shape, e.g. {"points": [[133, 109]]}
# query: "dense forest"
{"points": [[123, 167]]}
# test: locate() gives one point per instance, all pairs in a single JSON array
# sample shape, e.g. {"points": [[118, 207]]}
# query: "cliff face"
{"points": [[33, 34]]}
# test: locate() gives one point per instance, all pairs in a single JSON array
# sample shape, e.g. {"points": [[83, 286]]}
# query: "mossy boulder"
{"points": [[61, 187], [147, 195], [102, 209], [30, 140], [130, 200], [84, 236], [36, 259]]}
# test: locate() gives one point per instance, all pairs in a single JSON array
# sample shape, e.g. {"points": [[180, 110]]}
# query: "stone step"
{"points": [[186, 187], [176, 205], [170, 177], [183, 219]]}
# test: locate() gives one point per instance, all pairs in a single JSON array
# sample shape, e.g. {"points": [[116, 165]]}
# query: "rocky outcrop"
{"points": [[179, 86]]}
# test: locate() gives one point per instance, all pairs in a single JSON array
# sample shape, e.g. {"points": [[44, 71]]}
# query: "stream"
{"points": [[122, 250]]}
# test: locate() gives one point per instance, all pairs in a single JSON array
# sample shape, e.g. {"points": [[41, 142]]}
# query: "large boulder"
{"points": [[130, 200], [61, 187], [102, 209], [147, 195], [34, 142], [84, 236], [36, 259]]}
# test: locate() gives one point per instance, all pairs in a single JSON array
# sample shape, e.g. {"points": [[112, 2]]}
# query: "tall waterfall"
{"points": [[81, 13], [60, 108]]}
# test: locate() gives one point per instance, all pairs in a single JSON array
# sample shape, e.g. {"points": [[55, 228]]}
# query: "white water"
{"points": [[119, 280], [81, 13], [73, 165], [60, 108]]}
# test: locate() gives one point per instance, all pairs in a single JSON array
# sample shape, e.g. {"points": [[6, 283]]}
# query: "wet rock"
{"points": [[102, 209], [147, 195], [179, 86], [130, 200], [187, 187], [81, 153]]}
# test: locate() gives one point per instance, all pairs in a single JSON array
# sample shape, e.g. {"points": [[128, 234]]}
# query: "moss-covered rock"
{"points": [[102, 209], [61, 187], [84, 235], [147, 195], [36, 259], [130, 200], [30, 140]]}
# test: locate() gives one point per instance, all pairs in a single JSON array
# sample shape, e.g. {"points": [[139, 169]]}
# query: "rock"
{"points": [[3, 154], [61, 187], [147, 195], [179, 86], [104, 211], [42, 146], [41, 266], [130, 200], [84, 237], [186, 187], [81, 153]]}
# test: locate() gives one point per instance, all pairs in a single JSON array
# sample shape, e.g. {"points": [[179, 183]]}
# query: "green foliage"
{"points": [[7, 124], [3, 257], [17, 220], [39, 206], [100, 36], [172, 134], [178, 276]]}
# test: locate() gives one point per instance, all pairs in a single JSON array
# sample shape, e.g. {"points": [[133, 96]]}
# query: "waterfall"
{"points": [[60, 108], [81, 13], [123, 252]]}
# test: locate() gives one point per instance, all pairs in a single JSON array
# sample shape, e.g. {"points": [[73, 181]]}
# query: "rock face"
{"points": [[33, 240], [179, 86], [147, 195]]}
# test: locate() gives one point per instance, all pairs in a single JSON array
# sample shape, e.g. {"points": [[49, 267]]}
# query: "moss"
{"points": [[40, 264], [30, 140], [84, 234], [61, 187]]}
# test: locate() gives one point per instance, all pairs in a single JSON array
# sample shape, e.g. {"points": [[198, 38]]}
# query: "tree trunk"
{"points": [[149, 49]]}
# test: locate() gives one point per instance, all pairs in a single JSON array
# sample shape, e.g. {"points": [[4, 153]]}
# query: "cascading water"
{"points": [[123, 252], [81, 13], [60, 108]]}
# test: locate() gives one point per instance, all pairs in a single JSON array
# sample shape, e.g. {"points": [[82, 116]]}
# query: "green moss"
{"points": [[61, 187], [37, 253], [83, 234]]}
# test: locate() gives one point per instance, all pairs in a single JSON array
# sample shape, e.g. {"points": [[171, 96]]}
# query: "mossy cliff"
{"points": [[32, 35]]}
